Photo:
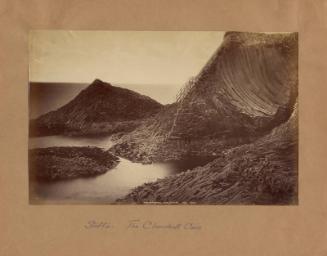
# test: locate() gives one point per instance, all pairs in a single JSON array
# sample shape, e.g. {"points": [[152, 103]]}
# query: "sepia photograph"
{"points": [[163, 117]]}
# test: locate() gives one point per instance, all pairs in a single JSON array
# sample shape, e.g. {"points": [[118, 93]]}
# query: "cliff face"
{"points": [[247, 88], [99, 108]]}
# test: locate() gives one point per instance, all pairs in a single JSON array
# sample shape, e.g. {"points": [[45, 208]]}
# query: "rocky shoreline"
{"points": [[240, 110], [263, 172], [248, 178], [62, 163]]}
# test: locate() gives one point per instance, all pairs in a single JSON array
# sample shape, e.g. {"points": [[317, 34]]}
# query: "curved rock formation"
{"points": [[247, 88], [246, 85]]}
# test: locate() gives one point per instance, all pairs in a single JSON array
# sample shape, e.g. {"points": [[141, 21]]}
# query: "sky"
{"points": [[155, 63]]}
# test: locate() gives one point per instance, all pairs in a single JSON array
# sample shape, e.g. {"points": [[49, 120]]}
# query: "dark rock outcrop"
{"points": [[59, 163], [99, 109]]}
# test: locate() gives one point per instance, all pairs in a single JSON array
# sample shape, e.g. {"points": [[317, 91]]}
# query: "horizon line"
{"points": [[118, 83]]}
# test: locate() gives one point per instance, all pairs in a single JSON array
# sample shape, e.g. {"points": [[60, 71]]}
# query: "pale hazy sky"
{"points": [[164, 59]]}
